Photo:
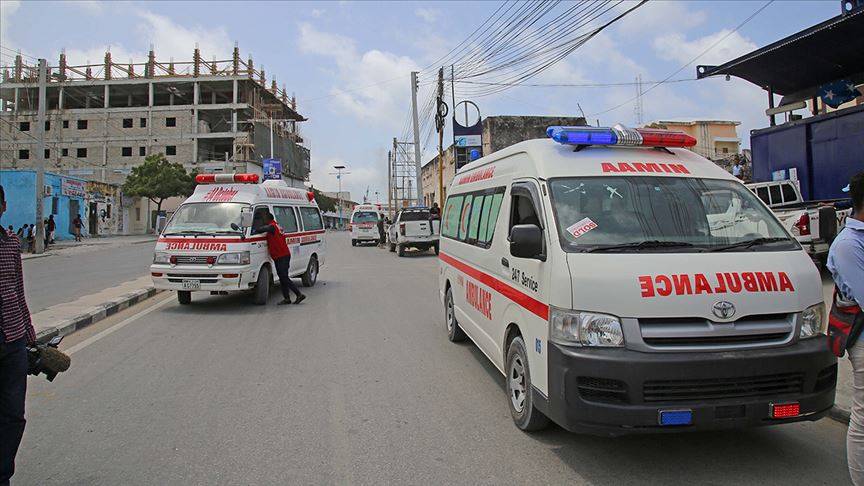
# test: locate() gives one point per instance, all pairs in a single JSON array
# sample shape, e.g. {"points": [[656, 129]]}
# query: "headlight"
{"points": [[584, 328], [239, 258], [812, 321], [161, 258]]}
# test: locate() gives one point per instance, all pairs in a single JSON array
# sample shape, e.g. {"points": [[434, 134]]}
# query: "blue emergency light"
{"points": [[676, 417], [619, 135]]}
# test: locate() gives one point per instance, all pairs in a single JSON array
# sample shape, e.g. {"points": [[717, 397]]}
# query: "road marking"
{"points": [[116, 327]]}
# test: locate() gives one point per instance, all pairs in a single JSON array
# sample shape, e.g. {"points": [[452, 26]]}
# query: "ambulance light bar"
{"points": [[226, 178], [619, 135]]}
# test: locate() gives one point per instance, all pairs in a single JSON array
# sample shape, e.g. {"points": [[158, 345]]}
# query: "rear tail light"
{"points": [[402, 229], [785, 410], [803, 224]]}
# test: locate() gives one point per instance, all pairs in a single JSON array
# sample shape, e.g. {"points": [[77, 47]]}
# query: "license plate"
{"points": [[191, 284]]}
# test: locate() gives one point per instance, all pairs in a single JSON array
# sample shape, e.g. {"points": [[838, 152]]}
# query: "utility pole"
{"points": [[453, 104], [39, 246], [339, 172], [414, 88], [389, 183], [441, 114], [271, 137]]}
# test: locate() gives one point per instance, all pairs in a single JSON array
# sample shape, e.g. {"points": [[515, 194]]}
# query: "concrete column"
{"points": [[16, 98], [61, 101], [234, 121], [150, 94], [107, 91], [235, 95]]}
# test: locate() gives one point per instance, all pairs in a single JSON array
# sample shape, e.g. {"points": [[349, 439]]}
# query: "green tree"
{"points": [[157, 179], [325, 203]]}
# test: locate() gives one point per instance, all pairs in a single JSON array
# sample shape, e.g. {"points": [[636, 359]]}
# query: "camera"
{"points": [[47, 359]]}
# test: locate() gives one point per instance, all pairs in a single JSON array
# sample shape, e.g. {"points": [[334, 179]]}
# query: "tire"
{"points": [[184, 297], [520, 399], [454, 333], [311, 276], [262, 287], [353, 242], [401, 250], [436, 248], [392, 247]]}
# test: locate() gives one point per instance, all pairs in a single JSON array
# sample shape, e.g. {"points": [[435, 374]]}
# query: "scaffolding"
{"points": [[403, 176]]}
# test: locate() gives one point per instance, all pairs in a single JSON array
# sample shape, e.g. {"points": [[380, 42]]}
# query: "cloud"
{"points": [[317, 12], [660, 16], [7, 10], [428, 14], [91, 6], [676, 47], [363, 82]]}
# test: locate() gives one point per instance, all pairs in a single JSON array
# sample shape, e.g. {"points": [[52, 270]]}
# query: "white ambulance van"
{"points": [[364, 224], [209, 244], [623, 284]]}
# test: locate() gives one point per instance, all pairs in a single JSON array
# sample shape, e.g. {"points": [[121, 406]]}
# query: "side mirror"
{"points": [[526, 241], [246, 219]]}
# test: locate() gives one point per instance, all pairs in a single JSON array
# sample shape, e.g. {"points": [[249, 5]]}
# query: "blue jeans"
{"points": [[13, 389]]}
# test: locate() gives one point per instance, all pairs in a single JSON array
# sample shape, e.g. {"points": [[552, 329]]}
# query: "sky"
{"points": [[349, 62]]}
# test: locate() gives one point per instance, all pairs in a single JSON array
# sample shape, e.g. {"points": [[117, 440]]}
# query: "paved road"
{"points": [[338, 391], [65, 277]]}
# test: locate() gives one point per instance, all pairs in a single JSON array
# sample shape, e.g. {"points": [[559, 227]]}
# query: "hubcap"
{"points": [[516, 383], [449, 311]]}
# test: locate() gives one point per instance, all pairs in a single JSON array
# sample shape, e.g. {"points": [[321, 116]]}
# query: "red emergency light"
{"points": [[226, 178], [310, 195], [785, 410]]}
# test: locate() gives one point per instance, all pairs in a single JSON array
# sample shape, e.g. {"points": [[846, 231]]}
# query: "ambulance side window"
{"points": [[258, 216], [286, 218], [311, 219], [523, 209], [452, 211]]}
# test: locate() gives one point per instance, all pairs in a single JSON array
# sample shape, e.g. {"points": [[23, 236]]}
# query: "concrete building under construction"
{"points": [[103, 119]]}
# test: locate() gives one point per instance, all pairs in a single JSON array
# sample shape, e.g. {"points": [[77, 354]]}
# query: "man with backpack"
{"points": [[846, 263]]}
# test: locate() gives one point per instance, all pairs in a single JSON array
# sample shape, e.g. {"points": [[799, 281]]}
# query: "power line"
{"points": [[713, 45]]}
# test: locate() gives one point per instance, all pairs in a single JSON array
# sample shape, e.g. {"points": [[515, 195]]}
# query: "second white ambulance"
{"points": [[624, 284], [209, 243], [364, 224]]}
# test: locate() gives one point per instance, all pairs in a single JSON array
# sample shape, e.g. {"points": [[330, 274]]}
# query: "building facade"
{"points": [[715, 139], [498, 132], [217, 116]]}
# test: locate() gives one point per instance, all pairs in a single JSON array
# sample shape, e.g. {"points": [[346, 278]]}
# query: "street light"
{"points": [[339, 171]]}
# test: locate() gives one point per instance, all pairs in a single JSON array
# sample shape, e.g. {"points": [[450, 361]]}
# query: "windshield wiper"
{"points": [[187, 232], [640, 245], [749, 243]]}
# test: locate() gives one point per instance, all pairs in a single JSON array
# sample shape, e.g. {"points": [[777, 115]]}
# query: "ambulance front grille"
{"points": [[722, 388], [700, 333]]}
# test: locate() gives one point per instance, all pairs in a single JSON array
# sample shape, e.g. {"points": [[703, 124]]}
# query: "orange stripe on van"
{"points": [[529, 303]]}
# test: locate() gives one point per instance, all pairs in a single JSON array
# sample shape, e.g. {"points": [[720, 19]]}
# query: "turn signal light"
{"points": [[785, 410], [156, 274], [230, 275]]}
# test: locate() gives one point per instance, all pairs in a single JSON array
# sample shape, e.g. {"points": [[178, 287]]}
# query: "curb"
{"points": [[839, 414], [95, 314]]}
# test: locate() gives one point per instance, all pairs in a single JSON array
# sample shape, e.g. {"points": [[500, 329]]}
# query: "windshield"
{"points": [[365, 217], [205, 218], [415, 216], [663, 214]]}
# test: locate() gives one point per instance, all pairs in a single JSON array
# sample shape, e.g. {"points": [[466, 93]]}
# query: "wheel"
{"points": [[392, 247], [311, 276], [401, 250], [435, 248], [262, 287], [353, 242], [184, 297], [519, 391], [454, 332]]}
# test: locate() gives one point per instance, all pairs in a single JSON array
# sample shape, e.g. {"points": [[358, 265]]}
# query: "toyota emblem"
{"points": [[723, 309]]}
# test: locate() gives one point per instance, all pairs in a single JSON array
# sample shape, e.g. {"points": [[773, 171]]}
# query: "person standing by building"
{"points": [[846, 263], [281, 255], [51, 227], [738, 170], [77, 224], [16, 331], [31, 238]]}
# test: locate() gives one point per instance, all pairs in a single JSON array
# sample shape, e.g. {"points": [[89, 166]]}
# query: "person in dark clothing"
{"points": [[77, 224], [281, 255], [381, 231], [16, 332], [435, 211], [52, 226]]}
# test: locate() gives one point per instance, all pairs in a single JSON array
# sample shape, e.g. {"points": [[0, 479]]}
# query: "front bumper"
{"points": [[618, 391], [215, 278]]}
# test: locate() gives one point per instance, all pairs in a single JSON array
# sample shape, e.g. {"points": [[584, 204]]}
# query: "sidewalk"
{"points": [[63, 319], [71, 247]]}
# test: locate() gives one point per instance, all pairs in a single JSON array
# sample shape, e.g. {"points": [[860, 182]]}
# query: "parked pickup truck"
{"points": [[814, 223], [413, 228]]}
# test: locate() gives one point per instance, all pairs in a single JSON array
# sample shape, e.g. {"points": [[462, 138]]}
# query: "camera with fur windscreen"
{"points": [[46, 358]]}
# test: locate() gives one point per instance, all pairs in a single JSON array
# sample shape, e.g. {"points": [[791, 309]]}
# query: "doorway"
{"points": [[93, 219], [74, 210]]}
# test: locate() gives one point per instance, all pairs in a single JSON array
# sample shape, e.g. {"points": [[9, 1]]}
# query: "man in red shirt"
{"points": [[16, 331], [281, 255]]}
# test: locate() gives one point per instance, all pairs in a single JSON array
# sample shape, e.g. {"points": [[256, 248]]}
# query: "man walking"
{"points": [[77, 224], [281, 255], [846, 263], [16, 331]]}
